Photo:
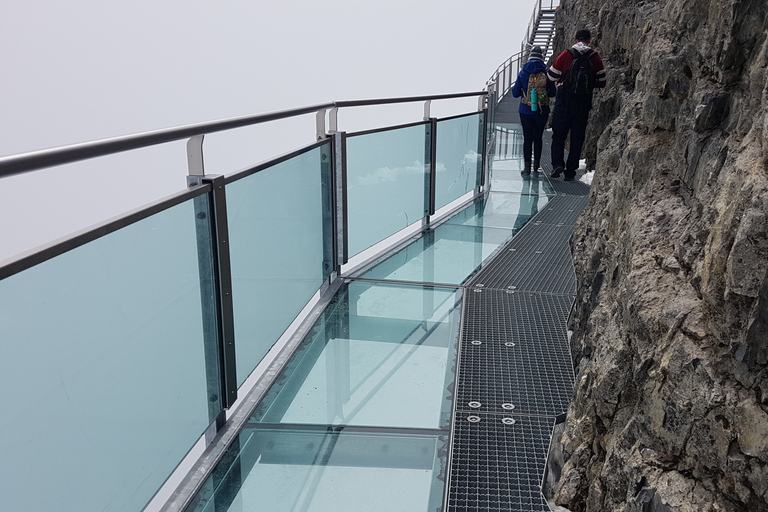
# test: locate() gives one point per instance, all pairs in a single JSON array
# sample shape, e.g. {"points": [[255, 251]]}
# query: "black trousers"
{"points": [[574, 119], [533, 130]]}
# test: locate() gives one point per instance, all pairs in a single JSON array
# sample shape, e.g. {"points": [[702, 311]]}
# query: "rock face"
{"points": [[670, 341]]}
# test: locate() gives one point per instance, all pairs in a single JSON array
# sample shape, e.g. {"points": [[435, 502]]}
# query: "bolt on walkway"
{"points": [[372, 412]]}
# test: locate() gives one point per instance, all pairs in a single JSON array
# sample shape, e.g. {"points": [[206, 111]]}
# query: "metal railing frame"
{"points": [[208, 193]]}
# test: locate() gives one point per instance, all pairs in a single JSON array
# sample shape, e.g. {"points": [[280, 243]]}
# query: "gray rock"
{"points": [[670, 325]]}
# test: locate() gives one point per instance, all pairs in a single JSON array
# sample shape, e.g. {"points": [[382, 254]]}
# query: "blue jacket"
{"points": [[521, 85]]}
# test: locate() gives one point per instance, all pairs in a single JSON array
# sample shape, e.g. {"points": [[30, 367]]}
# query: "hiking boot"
{"points": [[558, 171], [527, 169], [536, 165], [568, 178]]}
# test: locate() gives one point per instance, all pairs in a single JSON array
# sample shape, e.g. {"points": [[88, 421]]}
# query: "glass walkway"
{"points": [[368, 411], [374, 321]]}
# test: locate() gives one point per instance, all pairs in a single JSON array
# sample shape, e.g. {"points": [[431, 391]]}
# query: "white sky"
{"points": [[79, 70]]}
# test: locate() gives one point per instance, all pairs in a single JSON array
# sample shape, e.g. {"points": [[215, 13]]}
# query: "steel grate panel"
{"points": [[537, 259], [498, 466], [573, 188], [562, 210], [515, 351]]}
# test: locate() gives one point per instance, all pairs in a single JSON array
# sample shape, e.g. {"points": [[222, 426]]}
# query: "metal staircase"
{"points": [[540, 32]]}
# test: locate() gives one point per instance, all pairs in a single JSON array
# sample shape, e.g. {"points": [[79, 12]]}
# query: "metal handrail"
{"points": [[35, 160]]}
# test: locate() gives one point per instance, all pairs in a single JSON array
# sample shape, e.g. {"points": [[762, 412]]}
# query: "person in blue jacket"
{"points": [[533, 121]]}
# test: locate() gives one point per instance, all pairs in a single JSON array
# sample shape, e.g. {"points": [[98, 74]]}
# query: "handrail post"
{"points": [[427, 105], [320, 125], [195, 162], [225, 310], [216, 295], [341, 240], [333, 120], [430, 160], [483, 166]]}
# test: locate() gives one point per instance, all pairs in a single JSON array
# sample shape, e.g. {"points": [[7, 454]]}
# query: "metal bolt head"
{"points": [[508, 407], [508, 421], [475, 405], [473, 418], [476, 342]]}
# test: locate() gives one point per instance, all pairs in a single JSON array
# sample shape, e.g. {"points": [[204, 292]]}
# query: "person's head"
{"points": [[583, 36], [536, 54]]}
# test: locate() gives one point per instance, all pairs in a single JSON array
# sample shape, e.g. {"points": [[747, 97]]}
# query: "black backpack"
{"points": [[580, 79]]}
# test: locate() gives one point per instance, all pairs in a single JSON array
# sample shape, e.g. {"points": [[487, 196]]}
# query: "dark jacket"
{"points": [[521, 86], [559, 73]]}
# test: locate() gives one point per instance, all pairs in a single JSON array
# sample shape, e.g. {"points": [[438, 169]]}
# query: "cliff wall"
{"points": [[671, 320]]}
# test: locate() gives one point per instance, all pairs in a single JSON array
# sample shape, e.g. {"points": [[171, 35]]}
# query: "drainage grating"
{"points": [[498, 463], [524, 362]]}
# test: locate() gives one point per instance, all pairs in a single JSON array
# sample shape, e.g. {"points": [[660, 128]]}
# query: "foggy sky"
{"points": [[79, 70]]}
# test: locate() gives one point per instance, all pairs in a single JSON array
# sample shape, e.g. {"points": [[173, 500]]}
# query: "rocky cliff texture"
{"points": [[671, 320]]}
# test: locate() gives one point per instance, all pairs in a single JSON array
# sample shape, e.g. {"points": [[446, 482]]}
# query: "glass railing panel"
{"points": [[281, 248], [507, 144], [449, 254], [386, 183], [499, 210], [286, 470], [379, 356], [459, 157], [102, 369]]}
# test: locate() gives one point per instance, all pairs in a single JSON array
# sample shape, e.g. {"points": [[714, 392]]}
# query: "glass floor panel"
{"points": [[501, 211], [288, 470], [512, 181], [375, 345], [359, 417], [446, 255]]}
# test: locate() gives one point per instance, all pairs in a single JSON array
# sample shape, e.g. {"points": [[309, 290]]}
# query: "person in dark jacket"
{"points": [[533, 122], [572, 110]]}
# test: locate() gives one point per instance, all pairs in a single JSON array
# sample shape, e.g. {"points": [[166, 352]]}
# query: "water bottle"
{"points": [[534, 100]]}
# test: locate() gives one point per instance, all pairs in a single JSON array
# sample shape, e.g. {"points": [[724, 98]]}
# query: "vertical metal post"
{"points": [[218, 316], [207, 276], [431, 159], [483, 143], [333, 119], [328, 210], [340, 198], [320, 125]]}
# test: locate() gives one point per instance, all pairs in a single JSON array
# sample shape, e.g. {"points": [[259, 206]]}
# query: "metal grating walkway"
{"points": [[515, 375]]}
